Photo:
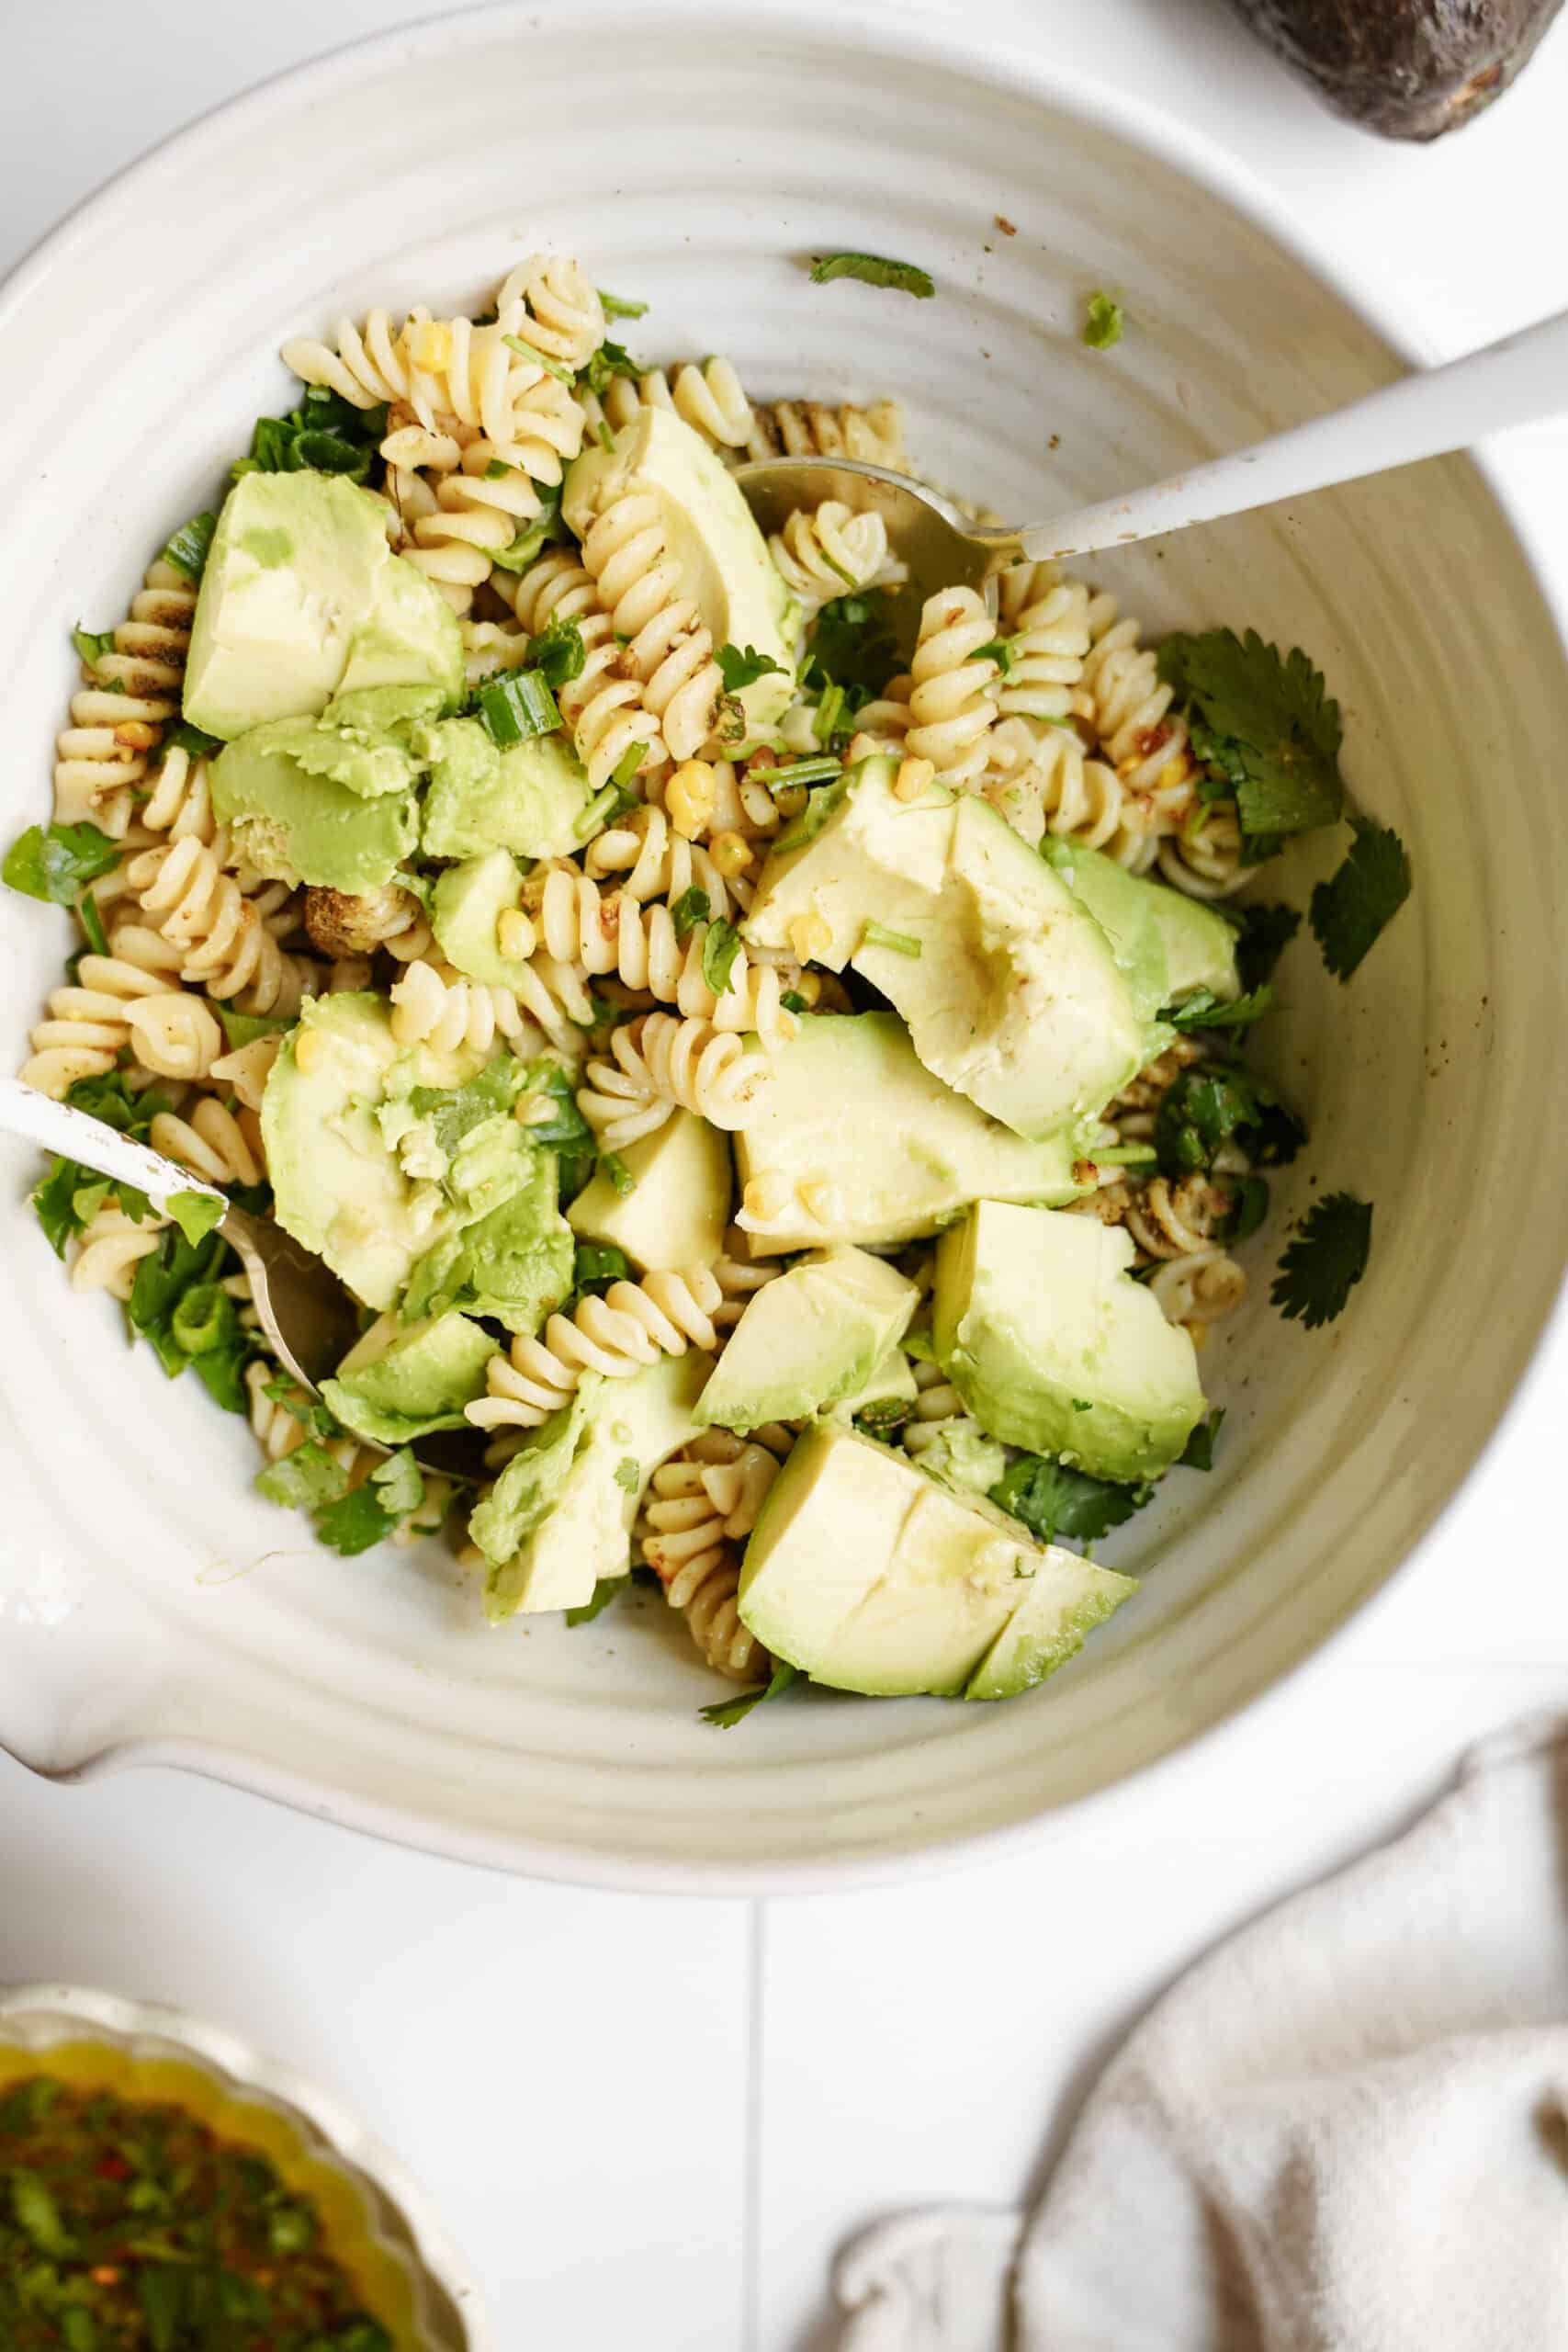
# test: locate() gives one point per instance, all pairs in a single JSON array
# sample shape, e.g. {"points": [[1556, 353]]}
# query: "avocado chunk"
{"points": [[402, 1168], [885, 1398], [1063, 1602], [1200, 945], [808, 1337], [302, 598], [1009, 989], [870, 1577], [1411, 69], [1122, 906], [1052, 1346], [307, 804], [559, 1516], [708, 528], [907, 1170], [466, 904], [678, 1208], [529, 798], [400, 1380]]}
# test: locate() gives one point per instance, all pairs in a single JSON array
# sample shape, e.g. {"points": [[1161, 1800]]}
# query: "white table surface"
{"points": [[653, 2120]]}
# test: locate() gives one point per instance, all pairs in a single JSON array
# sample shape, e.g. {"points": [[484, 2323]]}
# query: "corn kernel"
{"points": [[790, 799], [430, 345], [765, 1196], [689, 798], [809, 936], [1173, 773], [513, 935], [912, 778], [309, 1051], [136, 735], [731, 853]]}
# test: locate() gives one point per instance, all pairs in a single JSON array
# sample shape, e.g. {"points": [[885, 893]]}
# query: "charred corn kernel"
{"points": [[309, 1051], [912, 778], [513, 935], [790, 799], [533, 1110], [731, 853], [809, 986], [808, 935], [136, 734], [765, 1196], [690, 795], [430, 345]]}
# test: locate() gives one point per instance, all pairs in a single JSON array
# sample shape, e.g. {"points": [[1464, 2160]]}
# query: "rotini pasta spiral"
{"points": [[653, 861], [564, 318], [117, 1001], [938, 1411], [341, 923], [112, 1245], [245, 1072], [1046, 652], [1129, 703], [598, 933], [875, 436], [661, 1060], [459, 516], [1199, 1287], [709, 399], [832, 551], [1205, 860], [223, 936], [699, 1506], [603, 704], [883, 724], [128, 693], [1041, 781], [950, 705], [213, 1144], [631, 1327], [434, 1005], [667, 648], [180, 803]]}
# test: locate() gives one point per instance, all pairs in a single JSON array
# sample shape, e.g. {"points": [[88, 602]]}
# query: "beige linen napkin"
{"points": [[1346, 2131]]}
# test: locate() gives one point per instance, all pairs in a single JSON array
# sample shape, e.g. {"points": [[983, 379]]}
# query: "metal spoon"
{"points": [[1515, 381], [309, 1318]]}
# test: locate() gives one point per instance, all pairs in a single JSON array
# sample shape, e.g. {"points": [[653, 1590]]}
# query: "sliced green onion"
{"points": [[526, 351], [628, 766], [1125, 1155], [614, 308], [92, 923], [901, 943], [818, 771], [188, 549], [613, 802], [828, 711], [516, 707]]}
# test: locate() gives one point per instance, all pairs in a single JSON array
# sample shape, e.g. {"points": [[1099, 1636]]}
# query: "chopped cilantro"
{"points": [[690, 908], [729, 1712], [196, 1214], [304, 1479], [900, 942], [602, 368], [325, 435], [182, 737], [69, 1195], [1348, 912], [615, 799], [454, 1111], [1251, 1198], [793, 1002], [855, 645], [613, 307], [559, 652], [1104, 323], [1204, 1010], [179, 1305], [1197, 1453], [517, 705], [367, 1514], [596, 1265], [627, 1475], [1265, 933], [998, 650], [1322, 1266], [1213, 1101], [498, 469], [739, 668], [1053, 1500], [188, 550], [874, 269], [92, 923], [1269, 726], [92, 646], [245, 1028], [721, 945], [605, 1592], [57, 862], [546, 527], [566, 1130]]}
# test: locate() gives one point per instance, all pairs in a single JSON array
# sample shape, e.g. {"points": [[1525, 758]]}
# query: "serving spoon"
{"points": [[1424, 414], [308, 1318]]}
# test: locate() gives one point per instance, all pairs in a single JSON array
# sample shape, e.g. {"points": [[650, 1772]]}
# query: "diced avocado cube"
{"points": [[1052, 1346], [867, 1576], [678, 1208], [560, 1514], [709, 530], [400, 1380], [529, 798], [809, 1337], [465, 906], [302, 597], [1062, 1604], [859, 1143], [292, 819], [1009, 989], [892, 1384]]}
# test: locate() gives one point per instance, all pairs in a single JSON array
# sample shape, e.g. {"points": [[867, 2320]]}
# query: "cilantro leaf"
{"points": [[1280, 733], [303, 1480], [854, 645], [454, 1111], [605, 1592], [602, 367], [690, 908], [57, 862], [566, 1130], [1104, 321], [1325, 1260], [196, 1214], [1265, 933], [741, 667], [68, 1197], [874, 269], [594, 1266], [1053, 1500], [559, 652], [352, 1522], [1197, 1453], [188, 550], [325, 435], [721, 945], [1213, 1101], [547, 526], [172, 1306], [245, 1028], [1204, 1010], [92, 644], [1348, 912], [729, 1712], [182, 737]]}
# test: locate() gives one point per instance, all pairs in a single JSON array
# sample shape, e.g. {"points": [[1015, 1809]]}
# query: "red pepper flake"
{"points": [[112, 2168]]}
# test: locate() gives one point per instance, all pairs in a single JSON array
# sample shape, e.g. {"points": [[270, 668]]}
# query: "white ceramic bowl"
{"points": [[150, 1606], [374, 2211]]}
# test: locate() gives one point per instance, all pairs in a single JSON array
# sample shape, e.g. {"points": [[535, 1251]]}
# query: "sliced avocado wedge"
{"points": [[859, 1143], [709, 529], [869, 1577], [465, 906], [529, 798], [1165, 944], [302, 598], [400, 1380], [1052, 1346], [1009, 989], [678, 1208], [1064, 1600], [808, 1337]]}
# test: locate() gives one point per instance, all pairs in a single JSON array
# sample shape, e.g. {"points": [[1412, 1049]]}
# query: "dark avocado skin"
{"points": [[1411, 69]]}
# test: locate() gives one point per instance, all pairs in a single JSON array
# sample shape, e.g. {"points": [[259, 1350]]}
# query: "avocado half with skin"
{"points": [[1411, 69]]}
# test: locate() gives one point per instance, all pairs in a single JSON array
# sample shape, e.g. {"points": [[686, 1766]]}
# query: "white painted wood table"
{"points": [[651, 2119]]}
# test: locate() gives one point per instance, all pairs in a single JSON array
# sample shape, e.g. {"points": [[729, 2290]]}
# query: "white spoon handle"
{"points": [[1515, 381], [59, 1127]]}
